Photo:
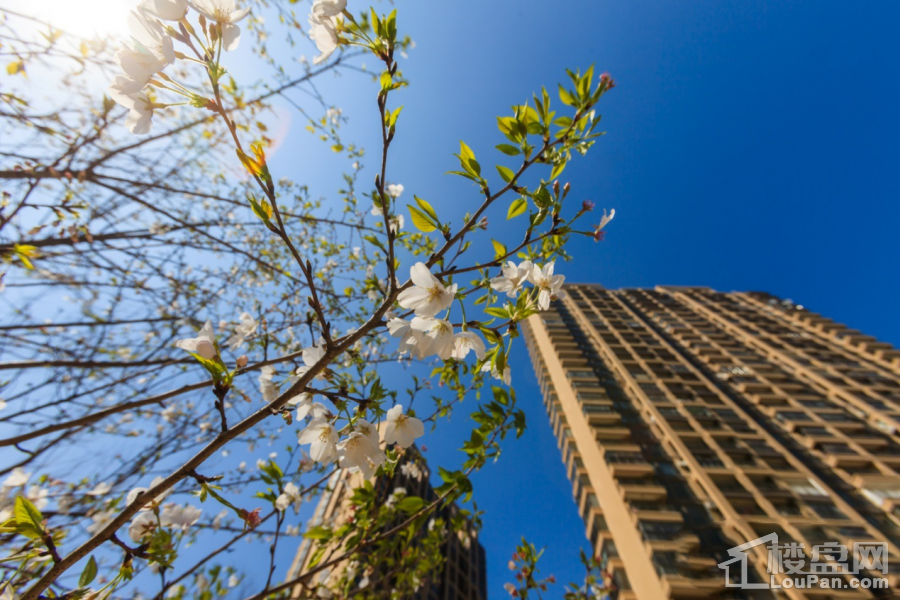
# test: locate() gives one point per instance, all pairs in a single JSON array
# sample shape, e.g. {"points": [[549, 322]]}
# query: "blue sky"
{"points": [[750, 146]]}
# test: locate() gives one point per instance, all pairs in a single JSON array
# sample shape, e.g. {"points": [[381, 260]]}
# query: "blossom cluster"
{"points": [[151, 49]]}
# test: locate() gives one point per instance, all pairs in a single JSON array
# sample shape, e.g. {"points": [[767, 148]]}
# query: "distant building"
{"points": [[464, 572], [698, 427]]}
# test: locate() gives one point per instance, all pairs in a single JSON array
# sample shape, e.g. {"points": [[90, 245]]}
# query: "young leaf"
{"points": [[90, 571], [499, 249], [506, 173], [421, 220], [508, 149], [29, 520], [427, 208], [410, 504], [518, 207]]}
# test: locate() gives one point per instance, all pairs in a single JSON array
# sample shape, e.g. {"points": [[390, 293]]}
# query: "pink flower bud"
{"points": [[242, 361], [587, 206]]}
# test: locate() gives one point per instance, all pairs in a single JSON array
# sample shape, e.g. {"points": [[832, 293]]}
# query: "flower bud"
{"points": [[242, 361], [587, 206], [556, 187]]}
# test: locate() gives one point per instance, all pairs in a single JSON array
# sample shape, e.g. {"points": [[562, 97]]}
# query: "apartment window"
{"points": [[826, 510], [624, 458], [654, 530]]}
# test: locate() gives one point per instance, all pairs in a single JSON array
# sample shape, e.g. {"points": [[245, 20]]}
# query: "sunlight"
{"points": [[86, 19]]}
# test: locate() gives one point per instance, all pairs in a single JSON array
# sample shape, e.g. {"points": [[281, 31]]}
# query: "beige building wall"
{"points": [[692, 421]]}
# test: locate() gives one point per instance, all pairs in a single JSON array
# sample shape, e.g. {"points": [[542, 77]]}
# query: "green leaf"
{"points": [[499, 249], [566, 97], [375, 242], [508, 149], [518, 207], [318, 533], [29, 520], [90, 571], [411, 504], [557, 170], [386, 81], [427, 208], [506, 173], [421, 220], [500, 313], [465, 152]]}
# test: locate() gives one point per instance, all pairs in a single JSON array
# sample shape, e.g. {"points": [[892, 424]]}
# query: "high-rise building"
{"points": [[463, 573], [692, 421]]}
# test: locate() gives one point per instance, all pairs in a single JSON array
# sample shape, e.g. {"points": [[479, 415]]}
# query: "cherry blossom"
{"points": [[311, 356], [323, 19], [133, 494], [465, 341], [394, 190], [267, 387], [506, 377], [402, 429], [357, 451], [290, 496], [409, 337], [167, 10], [435, 337], [16, 478], [513, 278], [242, 331], [203, 345], [179, 517], [142, 525], [322, 438], [548, 284], [303, 403], [226, 14], [428, 296]]}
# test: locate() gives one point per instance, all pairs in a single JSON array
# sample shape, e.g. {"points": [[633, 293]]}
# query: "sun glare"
{"points": [[88, 19]]}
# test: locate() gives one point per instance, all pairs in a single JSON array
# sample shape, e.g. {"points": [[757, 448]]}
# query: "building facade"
{"points": [[692, 422], [463, 575]]}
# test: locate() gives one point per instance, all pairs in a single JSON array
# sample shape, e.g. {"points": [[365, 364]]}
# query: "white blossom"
{"points": [[303, 403], [133, 494], [402, 429], [101, 489], [513, 277], [357, 451], [266, 386], [289, 497], [394, 190], [428, 296], [141, 526], [310, 357], [204, 344], [167, 10], [506, 377], [409, 337], [323, 20], [411, 470], [17, 477], [435, 337], [100, 519], [465, 341], [179, 517], [548, 283], [367, 429], [226, 14], [606, 219], [322, 438], [242, 331]]}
